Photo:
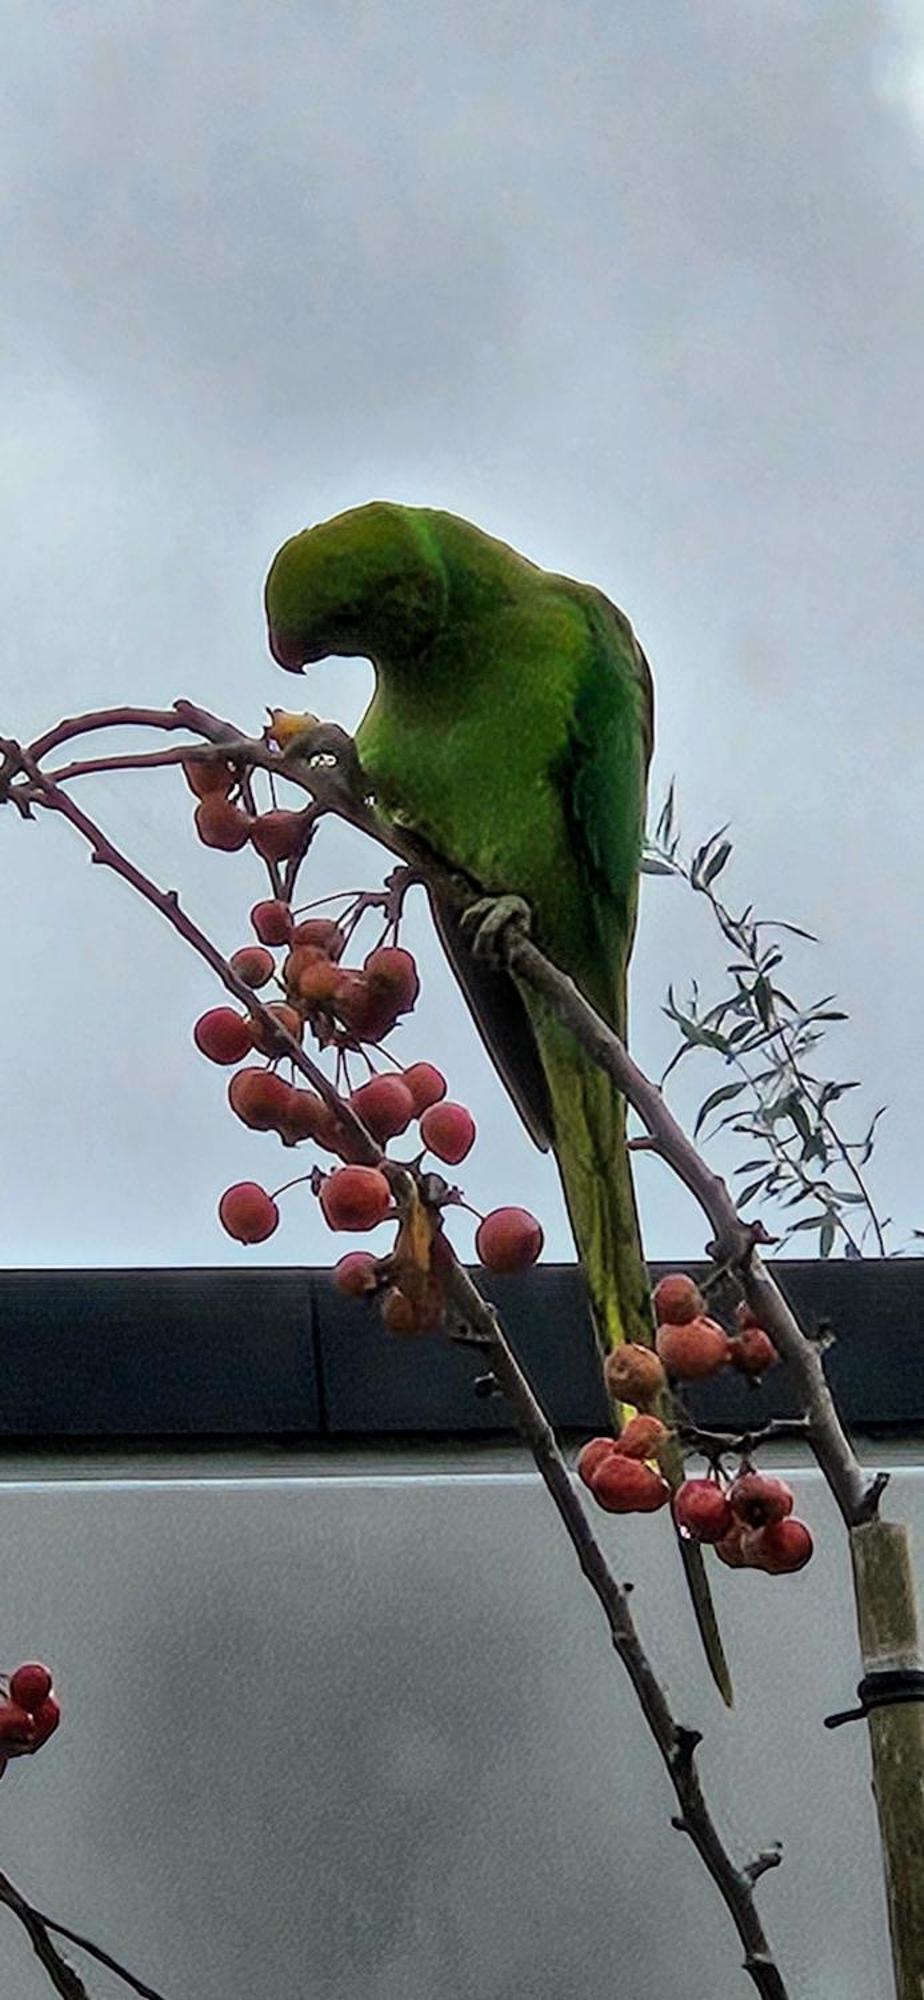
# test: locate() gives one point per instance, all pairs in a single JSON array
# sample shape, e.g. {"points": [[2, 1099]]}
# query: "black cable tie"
{"points": [[882, 1689]]}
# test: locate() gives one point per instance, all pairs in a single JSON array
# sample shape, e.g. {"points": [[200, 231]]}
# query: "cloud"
{"points": [[640, 290]]}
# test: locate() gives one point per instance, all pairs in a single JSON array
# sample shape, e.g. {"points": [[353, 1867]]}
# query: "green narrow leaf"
{"points": [[777, 924], [832, 1090], [815, 1149], [716, 863], [665, 824], [716, 1097], [763, 999], [826, 1236], [797, 1113], [650, 865], [741, 1200]]}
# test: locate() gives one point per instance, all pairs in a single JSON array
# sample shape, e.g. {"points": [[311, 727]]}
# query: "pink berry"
{"points": [[272, 921], [625, 1486], [449, 1131], [357, 1274], [426, 1084], [254, 964], [222, 1035], [385, 1106], [509, 1239], [15, 1725], [30, 1684], [45, 1720], [355, 1198], [703, 1509], [248, 1213], [276, 835]]}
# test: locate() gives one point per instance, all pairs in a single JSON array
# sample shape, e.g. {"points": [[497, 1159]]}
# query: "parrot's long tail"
{"points": [[590, 1147]]}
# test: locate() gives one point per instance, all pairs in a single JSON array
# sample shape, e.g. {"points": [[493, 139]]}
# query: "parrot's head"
{"points": [[367, 582]]}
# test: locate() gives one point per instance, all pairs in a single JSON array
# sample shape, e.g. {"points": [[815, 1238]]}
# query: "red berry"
{"points": [[322, 932], [391, 969], [357, 1274], [701, 1507], [677, 1300], [426, 1084], [695, 1350], [204, 779], [309, 1117], [262, 1038], [753, 1351], [220, 824], [780, 1547], [385, 1106], [45, 1720], [634, 1374], [509, 1239], [311, 977], [15, 1725], [276, 835], [368, 1012], [254, 964], [449, 1131], [272, 921], [261, 1099], [355, 1198], [222, 1035], [625, 1486], [591, 1457], [755, 1499], [248, 1213], [640, 1437], [730, 1550], [30, 1684]]}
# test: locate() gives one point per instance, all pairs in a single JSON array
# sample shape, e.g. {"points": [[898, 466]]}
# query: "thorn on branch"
{"points": [[769, 1857], [869, 1505], [686, 1743]]}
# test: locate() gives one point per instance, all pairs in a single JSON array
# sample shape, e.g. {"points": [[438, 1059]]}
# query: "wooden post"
{"points": [[887, 1621]]}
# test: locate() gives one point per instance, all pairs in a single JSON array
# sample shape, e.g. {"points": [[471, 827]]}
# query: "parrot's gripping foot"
{"points": [[486, 921]]}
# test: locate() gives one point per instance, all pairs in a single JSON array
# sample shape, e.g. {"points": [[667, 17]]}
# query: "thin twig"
{"points": [[63, 1977]]}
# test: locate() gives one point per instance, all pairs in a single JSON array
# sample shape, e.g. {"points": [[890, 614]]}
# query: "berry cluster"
{"points": [[349, 1009], [747, 1518], [224, 822], [693, 1346], [29, 1713]]}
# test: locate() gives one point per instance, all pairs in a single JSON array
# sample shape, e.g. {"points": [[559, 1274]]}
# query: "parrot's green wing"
{"points": [[603, 773]]}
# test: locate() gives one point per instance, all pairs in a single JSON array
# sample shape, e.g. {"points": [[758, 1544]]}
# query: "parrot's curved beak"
{"points": [[286, 652]]}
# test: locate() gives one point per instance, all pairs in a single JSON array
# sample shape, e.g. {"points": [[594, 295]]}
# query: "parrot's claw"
{"points": [[485, 922]]}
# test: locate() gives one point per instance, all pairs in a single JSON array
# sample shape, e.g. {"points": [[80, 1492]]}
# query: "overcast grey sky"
{"points": [[638, 288]]}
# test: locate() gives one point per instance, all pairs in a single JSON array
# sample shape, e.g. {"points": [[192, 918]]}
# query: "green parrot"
{"points": [[511, 728]]}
